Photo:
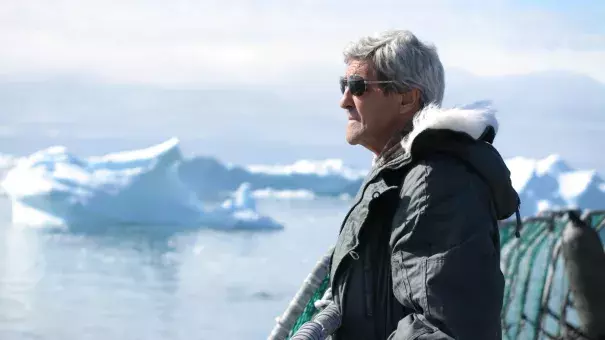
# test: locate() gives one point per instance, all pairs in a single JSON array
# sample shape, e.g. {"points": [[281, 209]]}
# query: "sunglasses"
{"points": [[357, 85]]}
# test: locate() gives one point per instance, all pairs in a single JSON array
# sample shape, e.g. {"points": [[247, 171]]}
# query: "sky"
{"points": [[211, 43], [153, 66]]}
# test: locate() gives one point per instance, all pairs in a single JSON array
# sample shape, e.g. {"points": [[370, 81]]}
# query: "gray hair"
{"points": [[399, 56]]}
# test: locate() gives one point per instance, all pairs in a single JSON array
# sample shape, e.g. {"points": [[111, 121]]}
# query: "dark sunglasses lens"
{"points": [[356, 85], [343, 85]]}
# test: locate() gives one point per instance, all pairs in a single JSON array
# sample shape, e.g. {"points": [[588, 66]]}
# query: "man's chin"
{"points": [[352, 140], [353, 134]]}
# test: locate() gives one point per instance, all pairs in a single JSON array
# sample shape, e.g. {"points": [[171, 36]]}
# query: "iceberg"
{"points": [[239, 212], [143, 187], [324, 168], [303, 179], [550, 184], [6, 163], [158, 185], [543, 184]]}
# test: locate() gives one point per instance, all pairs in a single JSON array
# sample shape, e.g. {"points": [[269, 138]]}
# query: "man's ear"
{"points": [[410, 101]]}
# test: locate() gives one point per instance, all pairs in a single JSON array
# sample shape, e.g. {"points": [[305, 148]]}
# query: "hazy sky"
{"points": [[290, 47], [234, 41]]}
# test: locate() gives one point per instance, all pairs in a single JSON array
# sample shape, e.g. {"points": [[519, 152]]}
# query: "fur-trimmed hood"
{"points": [[478, 120], [443, 130]]}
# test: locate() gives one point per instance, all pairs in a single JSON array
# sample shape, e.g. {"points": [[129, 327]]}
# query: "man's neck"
{"points": [[393, 144], [389, 150]]}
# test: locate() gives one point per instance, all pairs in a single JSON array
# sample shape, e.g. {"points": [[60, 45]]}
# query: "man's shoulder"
{"points": [[438, 169]]}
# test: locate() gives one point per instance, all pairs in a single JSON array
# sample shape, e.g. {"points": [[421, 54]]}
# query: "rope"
{"points": [[323, 325], [303, 297], [310, 311]]}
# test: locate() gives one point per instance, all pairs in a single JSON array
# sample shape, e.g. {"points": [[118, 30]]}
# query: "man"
{"points": [[417, 256]]}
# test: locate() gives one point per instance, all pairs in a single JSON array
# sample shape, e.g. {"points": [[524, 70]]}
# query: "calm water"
{"points": [[143, 283]]}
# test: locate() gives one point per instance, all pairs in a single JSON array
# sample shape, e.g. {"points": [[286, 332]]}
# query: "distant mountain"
{"points": [[540, 114]]}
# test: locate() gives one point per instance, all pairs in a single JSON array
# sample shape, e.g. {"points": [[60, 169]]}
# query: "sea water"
{"points": [[141, 282]]}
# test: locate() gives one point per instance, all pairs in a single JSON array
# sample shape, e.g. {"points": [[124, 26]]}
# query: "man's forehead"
{"points": [[359, 67]]}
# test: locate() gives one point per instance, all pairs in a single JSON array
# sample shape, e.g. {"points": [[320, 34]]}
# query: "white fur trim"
{"points": [[472, 119]]}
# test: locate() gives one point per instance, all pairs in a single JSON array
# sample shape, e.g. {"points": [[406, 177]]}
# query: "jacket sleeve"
{"points": [[445, 255]]}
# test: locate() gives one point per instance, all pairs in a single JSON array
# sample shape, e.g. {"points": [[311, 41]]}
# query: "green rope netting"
{"points": [[526, 262], [537, 300], [596, 220], [310, 310]]}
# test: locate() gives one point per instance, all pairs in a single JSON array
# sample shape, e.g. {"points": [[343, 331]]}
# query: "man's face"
{"points": [[372, 115]]}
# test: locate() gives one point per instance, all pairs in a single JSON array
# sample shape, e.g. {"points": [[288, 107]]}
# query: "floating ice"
{"points": [[158, 186], [550, 183], [53, 186]]}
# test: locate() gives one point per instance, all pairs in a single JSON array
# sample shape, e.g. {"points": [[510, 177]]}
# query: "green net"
{"points": [[528, 263], [310, 310], [537, 300], [597, 219]]}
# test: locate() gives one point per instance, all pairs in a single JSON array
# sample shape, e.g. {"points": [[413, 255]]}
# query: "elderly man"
{"points": [[417, 256]]}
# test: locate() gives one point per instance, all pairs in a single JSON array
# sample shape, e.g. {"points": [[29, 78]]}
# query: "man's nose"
{"points": [[346, 101]]}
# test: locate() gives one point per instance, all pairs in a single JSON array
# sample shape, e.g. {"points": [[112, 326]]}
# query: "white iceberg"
{"points": [[6, 163], [158, 186], [543, 184], [550, 184], [319, 168], [143, 187], [239, 212]]}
